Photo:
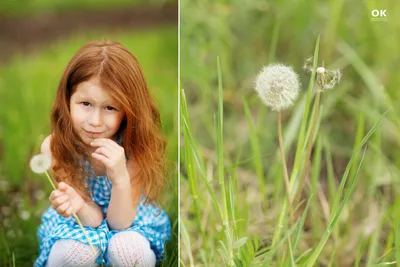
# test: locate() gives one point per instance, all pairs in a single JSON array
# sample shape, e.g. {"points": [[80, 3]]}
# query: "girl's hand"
{"points": [[65, 200], [112, 156]]}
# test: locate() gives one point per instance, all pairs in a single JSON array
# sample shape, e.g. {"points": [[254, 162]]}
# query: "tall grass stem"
{"points": [[221, 178], [309, 147], [285, 171]]}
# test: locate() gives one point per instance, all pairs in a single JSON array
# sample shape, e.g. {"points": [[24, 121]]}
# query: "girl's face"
{"points": [[94, 113]]}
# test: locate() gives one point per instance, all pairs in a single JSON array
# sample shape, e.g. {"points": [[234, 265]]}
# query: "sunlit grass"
{"points": [[15, 8], [230, 243], [348, 214]]}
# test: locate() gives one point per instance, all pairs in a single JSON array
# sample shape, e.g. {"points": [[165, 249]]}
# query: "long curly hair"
{"points": [[141, 136]]}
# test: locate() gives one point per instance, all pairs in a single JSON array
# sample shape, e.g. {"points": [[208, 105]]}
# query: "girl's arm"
{"points": [[66, 200], [90, 214], [124, 200], [123, 205]]}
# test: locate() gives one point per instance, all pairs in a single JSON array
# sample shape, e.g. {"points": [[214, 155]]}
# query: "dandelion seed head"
{"points": [[308, 65], [278, 86], [39, 194], [25, 215], [326, 79], [11, 234], [19, 202], [329, 78], [40, 163]]}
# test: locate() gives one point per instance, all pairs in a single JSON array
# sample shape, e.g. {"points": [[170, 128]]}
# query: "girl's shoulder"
{"points": [[45, 147]]}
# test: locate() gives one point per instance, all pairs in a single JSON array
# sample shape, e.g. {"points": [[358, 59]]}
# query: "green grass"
{"points": [[27, 89], [233, 200], [27, 7]]}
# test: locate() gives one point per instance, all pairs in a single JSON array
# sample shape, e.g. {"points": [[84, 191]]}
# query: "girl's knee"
{"points": [[130, 248], [66, 252]]}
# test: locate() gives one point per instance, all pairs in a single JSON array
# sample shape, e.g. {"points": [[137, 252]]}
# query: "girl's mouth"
{"points": [[93, 134]]}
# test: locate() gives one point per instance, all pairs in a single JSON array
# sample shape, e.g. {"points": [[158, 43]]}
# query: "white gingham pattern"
{"points": [[150, 221]]}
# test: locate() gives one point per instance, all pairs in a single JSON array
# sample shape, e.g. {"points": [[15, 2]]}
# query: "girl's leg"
{"points": [[71, 253], [130, 248]]}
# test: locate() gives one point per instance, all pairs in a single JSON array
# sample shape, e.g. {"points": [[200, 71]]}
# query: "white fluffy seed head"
{"points": [[40, 163], [278, 86], [328, 78]]}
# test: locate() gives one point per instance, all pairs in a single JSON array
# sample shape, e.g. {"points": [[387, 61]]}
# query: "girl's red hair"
{"points": [[119, 72]]}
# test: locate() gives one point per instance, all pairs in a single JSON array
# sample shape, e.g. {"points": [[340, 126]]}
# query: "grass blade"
{"points": [[338, 209]]}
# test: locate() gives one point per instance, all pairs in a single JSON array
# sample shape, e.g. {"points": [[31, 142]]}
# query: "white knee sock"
{"points": [[71, 253], [130, 248]]}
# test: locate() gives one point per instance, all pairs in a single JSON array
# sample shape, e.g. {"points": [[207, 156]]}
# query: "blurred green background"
{"points": [[247, 35], [32, 7], [29, 75]]}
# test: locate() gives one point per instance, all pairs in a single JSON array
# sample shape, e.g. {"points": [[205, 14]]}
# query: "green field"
{"points": [[27, 88], [28, 7], [234, 206]]}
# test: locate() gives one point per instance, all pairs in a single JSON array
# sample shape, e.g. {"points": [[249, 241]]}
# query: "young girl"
{"points": [[108, 159]]}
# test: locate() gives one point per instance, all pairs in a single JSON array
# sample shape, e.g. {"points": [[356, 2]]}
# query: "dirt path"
{"points": [[25, 34]]}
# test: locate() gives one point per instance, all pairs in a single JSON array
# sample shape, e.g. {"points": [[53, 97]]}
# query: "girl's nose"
{"points": [[95, 118]]}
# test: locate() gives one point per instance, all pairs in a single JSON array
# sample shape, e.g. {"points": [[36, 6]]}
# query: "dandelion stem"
{"points": [[84, 232], [73, 214], [285, 171], [309, 146], [50, 180]]}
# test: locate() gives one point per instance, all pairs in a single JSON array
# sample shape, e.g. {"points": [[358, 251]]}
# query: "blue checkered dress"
{"points": [[150, 221]]}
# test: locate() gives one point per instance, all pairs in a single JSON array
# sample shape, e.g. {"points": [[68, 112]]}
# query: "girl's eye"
{"points": [[110, 108], [86, 104]]}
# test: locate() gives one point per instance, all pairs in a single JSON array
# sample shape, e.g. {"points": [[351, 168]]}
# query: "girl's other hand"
{"points": [[112, 156], [65, 200]]}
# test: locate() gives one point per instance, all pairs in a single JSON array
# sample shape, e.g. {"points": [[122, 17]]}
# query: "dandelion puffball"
{"points": [[278, 86], [40, 163]]}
